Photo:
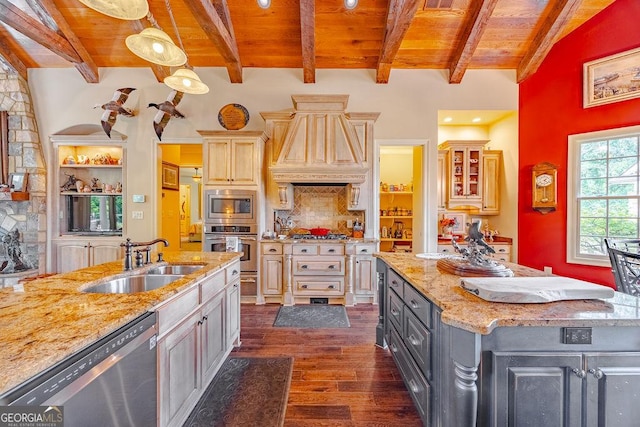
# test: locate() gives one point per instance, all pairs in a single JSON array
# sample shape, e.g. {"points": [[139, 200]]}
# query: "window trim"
{"points": [[573, 177]]}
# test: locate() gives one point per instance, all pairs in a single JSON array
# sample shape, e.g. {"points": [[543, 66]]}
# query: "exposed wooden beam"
{"points": [[556, 20], [87, 66], [213, 25], [158, 70], [37, 31], [399, 16], [308, 39], [473, 28], [10, 59]]}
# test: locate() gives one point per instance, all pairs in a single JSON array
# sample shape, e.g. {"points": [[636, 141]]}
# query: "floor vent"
{"points": [[318, 300]]}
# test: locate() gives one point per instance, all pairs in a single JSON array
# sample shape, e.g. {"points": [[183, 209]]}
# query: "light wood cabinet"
{"points": [[464, 166], [491, 166], [442, 180], [271, 271], [78, 253], [232, 158], [197, 330], [364, 274]]}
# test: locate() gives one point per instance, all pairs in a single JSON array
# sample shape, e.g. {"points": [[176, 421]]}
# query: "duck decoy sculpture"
{"points": [[115, 107], [166, 110]]}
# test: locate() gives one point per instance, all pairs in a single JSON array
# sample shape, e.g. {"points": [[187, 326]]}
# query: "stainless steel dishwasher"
{"points": [[110, 383]]}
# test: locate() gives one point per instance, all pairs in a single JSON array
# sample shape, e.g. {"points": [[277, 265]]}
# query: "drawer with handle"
{"points": [[272, 249], [318, 266], [318, 286]]}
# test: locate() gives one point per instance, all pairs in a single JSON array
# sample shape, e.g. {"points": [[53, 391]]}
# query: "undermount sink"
{"points": [[133, 284], [175, 269]]}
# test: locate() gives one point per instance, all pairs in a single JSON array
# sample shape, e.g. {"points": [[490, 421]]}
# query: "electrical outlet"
{"points": [[547, 270], [137, 215], [349, 223]]}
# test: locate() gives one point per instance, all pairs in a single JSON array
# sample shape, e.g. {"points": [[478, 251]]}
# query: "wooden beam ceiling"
{"points": [[36, 31], [308, 39], [556, 20], [399, 17], [86, 66], [224, 40], [473, 28], [10, 59]]}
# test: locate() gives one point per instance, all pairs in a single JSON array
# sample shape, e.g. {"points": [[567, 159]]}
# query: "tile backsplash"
{"points": [[321, 206]]}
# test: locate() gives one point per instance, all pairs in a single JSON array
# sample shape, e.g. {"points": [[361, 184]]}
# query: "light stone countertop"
{"points": [[52, 319], [464, 310]]}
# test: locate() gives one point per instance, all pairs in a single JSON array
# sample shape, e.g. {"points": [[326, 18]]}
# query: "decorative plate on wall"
{"points": [[233, 116]]}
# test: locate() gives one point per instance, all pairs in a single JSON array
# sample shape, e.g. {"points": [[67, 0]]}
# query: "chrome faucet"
{"points": [[128, 255]]}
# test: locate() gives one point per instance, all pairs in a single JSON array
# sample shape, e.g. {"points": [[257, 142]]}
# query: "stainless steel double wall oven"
{"points": [[230, 216]]}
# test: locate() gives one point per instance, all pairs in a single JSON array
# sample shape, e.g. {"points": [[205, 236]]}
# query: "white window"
{"points": [[603, 192]]}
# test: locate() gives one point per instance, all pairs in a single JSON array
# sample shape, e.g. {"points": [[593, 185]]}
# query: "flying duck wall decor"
{"points": [[166, 110], [115, 107]]}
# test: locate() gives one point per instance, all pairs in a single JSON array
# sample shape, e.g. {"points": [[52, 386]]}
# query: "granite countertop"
{"points": [[464, 310], [51, 318]]}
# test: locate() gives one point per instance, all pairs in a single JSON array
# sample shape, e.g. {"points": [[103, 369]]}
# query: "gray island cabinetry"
{"points": [[468, 362]]}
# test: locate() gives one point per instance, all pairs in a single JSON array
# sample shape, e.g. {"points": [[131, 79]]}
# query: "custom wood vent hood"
{"points": [[319, 142]]}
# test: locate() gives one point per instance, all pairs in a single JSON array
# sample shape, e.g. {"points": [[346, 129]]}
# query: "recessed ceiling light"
{"points": [[476, 119], [447, 119], [350, 4], [264, 3]]}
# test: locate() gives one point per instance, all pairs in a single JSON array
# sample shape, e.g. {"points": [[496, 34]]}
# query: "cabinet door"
{"points": [[613, 382], [105, 252], [218, 170], [442, 180], [179, 371], [365, 275], [213, 344], [233, 313], [243, 163], [271, 275], [491, 163], [537, 389], [72, 256]]}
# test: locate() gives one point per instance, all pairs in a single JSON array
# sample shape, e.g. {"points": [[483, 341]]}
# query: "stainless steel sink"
{"points": [[175, 269], [133, 284]]}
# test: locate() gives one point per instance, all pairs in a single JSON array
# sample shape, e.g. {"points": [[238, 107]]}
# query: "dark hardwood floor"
{"points": [[340, 378]]}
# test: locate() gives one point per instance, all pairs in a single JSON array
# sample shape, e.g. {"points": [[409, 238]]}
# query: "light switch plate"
{"points": [[137, 215], [138, 198]]}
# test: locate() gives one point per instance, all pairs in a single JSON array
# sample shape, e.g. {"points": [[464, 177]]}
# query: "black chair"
{"points": [[625, 264]]}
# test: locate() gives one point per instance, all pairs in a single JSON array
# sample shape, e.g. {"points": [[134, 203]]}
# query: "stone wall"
{"points": [[25, 155]]}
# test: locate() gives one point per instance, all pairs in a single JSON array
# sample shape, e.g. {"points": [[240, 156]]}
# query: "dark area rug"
{"points": [[246, 391], [312, 316]]}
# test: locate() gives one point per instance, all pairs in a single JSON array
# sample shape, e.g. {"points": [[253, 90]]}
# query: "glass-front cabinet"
{"points": [[464, 172]]}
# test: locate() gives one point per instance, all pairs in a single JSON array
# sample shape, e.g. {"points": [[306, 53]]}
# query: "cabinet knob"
{"points": [[597, 373], [273, 250], [580, 373], [414, 304], [304, 267], [234, 272], [332, 267], [364, 251], [304, 286], [331, 287]]}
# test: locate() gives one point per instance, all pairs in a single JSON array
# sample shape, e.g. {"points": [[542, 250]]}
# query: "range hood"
{"points": [[319, 142]]}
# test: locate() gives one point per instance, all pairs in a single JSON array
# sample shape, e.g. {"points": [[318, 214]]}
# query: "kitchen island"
{"points": [[44, 321], [468, 362]]}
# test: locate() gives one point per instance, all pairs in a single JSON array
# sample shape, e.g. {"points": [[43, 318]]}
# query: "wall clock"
{"points": [[544, 180]]}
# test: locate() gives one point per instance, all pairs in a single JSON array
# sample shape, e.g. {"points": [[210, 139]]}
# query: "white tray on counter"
{"points": [[534, 289]]}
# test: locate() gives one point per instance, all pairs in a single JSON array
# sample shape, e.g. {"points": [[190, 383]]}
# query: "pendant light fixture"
{"points": [[184, 79], [196, 177], [154, 45], [122, 9], [350, 4]]}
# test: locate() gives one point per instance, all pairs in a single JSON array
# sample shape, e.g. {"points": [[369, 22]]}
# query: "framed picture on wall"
{"points": [[170, 176], [611, 79], [19, 181], [459, 224]]}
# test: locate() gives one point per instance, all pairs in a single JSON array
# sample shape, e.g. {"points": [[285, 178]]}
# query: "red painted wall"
{"points": [[550, 110]]}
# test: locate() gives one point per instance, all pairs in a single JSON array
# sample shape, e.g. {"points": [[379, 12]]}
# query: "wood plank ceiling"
{"points": [[454, 35]]}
